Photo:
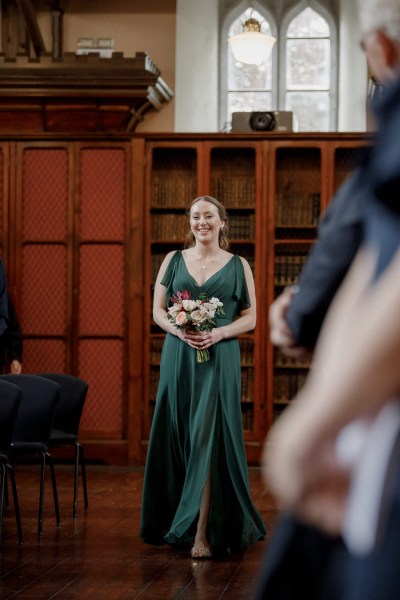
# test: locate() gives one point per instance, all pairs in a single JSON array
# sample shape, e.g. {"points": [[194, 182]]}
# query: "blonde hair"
{"points": [[223, 239]]}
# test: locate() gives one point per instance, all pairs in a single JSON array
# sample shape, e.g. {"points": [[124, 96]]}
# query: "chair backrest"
{"points": [[37, 409], [73, 392], [10, 400]]}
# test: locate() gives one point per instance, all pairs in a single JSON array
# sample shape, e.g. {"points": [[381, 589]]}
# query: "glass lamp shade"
{"points": [[251, 47]]}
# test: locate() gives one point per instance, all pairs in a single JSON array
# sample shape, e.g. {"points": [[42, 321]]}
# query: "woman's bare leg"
{"points": [[202, 548]]}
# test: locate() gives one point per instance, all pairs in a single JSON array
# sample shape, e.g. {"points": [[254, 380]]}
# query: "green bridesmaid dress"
{"points": [[197, 430]]}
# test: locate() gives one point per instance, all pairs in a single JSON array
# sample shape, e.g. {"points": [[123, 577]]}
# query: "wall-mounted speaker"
{"points": [[269, 120]]}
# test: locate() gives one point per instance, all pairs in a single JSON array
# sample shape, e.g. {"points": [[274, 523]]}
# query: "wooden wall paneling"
{"points": [[102, 230], [40, 224], [148, 297], [6, 152], [261, 259], [136, 307]]}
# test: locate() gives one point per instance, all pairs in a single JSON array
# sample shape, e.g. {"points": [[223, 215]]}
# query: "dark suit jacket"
{"points": [[339, 238], [375, 575], [300, 562], [3, 300], [11, 342]]}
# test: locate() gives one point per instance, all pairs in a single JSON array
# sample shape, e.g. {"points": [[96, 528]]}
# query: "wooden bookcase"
{"points": [[177, 172], [275, 189], [85, 223]]}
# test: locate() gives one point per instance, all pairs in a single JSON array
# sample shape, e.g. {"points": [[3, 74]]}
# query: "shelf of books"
{"points": [[345, 161], [174, 176], [233, 182], [296, 215], [173, 183]]}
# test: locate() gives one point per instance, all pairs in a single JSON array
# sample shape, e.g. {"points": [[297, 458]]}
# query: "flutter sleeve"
{"points": [[241, 293], [170, 271]]}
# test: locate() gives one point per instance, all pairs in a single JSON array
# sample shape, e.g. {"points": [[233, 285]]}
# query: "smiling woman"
{"points": [[196, 452]]}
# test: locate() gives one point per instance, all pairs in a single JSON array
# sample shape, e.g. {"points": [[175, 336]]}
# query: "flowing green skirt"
{"points": [[197, 432]]}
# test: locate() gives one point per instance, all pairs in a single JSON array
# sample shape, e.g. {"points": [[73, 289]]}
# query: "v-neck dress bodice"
{"points": [[197, 429]]}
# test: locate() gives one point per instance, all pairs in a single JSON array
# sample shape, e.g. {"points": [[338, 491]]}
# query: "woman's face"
{"points": [[205, 221]]}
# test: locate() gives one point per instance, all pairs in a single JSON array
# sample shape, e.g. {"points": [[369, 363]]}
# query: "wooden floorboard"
{"points": [[99, 554]]}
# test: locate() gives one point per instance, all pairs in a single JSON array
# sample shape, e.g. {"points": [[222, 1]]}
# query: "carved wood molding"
{"points": [[79, 93]]}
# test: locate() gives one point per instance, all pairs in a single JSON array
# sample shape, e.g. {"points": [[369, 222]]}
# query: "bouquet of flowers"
{"points": [[194, 314]]}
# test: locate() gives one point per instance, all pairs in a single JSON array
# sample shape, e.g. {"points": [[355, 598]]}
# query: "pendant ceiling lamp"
{"points": [[252, 46]]}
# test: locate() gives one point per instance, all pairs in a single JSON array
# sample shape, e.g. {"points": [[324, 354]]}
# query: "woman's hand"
{"points": [[201, 340]]}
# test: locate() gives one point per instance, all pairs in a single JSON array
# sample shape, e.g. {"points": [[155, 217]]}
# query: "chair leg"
{"points": [[80, 460], [16, 503], [54, 485], [76, 475], [41, 493], [2, 490], [6, 498], [83, 468]]}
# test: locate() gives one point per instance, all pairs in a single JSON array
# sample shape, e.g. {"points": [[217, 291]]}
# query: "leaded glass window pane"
{"points": [[243, 76], [308, 24], [308, 71], [311, 109], [249, 101], [308, 64]]}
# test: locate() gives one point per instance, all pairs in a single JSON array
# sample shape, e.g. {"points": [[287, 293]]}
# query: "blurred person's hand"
{"points": [[15, 367], [300, 462], [280, 333]]}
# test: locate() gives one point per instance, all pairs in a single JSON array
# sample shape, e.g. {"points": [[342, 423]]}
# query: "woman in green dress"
{"points": [[196, 487]]}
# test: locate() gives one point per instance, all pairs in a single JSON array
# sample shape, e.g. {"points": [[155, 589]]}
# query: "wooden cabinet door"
{"points": [[298, 176], [234, 177], [70, 245], [177, 172], [303, 178]]}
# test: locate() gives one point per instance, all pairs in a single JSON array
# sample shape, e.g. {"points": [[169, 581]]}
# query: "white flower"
{"points": [[216, 302], [189, 305], [197, 316]]}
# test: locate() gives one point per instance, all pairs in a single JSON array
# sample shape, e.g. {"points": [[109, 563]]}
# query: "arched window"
{"points": [[308, 73], [249, 87], [299, 76]]}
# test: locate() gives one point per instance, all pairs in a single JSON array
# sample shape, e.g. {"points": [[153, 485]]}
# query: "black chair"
{"points": [[31, 435], [73, 392], [10, 400]]}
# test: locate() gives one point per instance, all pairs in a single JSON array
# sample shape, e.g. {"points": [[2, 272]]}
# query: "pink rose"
{"points": [[181, 319]]}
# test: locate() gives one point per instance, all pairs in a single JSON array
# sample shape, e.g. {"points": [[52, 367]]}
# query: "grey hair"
{"points": [[380, 14]]}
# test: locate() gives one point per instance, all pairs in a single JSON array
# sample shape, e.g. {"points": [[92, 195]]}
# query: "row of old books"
{"points": [[246, 351], [169, 227], [297, 210], [247, 417], [156, 345], [234, 191], [286, 385], [247, 376], [281, 361], [241, 227], [288, 267], [174, 189]]}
